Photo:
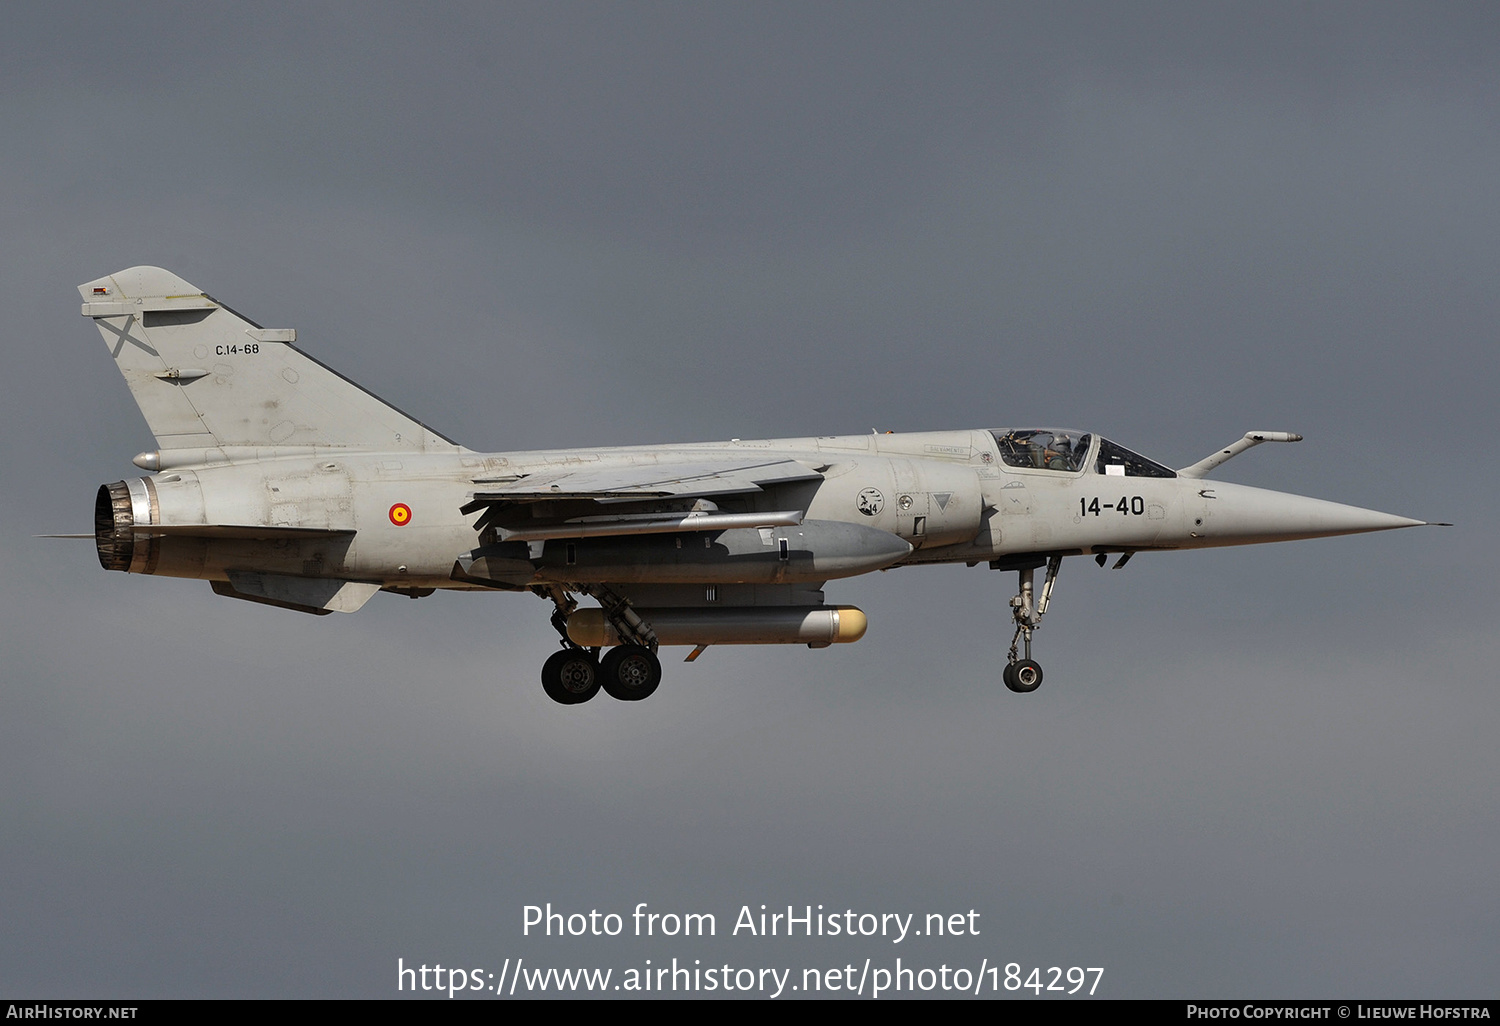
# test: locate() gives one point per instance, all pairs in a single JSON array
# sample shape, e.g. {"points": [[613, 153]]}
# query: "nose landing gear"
{"points": [[1025, 675]]}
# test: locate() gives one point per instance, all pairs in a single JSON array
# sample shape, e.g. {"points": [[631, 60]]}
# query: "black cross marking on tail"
{"points": [[124, 335]]}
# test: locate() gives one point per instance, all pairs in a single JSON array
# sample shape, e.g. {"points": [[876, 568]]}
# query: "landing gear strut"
{"points": [[1025, 675], [628, 672]]}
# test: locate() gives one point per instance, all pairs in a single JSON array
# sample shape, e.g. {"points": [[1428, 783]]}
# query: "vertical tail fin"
{"points": [[206, 378]]}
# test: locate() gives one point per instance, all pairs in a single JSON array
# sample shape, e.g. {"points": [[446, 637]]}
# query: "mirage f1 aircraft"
{"points": [[279, 481]]}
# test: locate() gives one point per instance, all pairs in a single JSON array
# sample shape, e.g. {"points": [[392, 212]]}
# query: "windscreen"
{"points": [[1118, 461]]}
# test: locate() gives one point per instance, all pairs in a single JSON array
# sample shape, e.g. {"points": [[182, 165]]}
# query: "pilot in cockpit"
{"points": [[1059, 455]]}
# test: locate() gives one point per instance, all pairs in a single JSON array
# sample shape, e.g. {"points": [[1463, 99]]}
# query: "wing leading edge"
{"points": [[623, 484], [658, 496]]}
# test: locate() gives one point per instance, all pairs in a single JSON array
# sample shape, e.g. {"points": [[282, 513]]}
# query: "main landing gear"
{"points": [[628, 672], [1025, 675], [572, 676]]}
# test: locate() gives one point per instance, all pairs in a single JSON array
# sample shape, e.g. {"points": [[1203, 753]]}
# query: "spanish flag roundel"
{"points": [[400, 514]]}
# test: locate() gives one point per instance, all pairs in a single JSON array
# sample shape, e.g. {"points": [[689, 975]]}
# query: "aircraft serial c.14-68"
{"points": [[279, 481]]}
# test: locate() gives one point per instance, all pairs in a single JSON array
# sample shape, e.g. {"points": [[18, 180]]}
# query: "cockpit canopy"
{"points": [[1067, 451], [1043, 448]]}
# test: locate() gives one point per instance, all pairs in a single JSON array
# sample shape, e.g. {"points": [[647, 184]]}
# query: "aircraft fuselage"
{"points": [[946, 494]]}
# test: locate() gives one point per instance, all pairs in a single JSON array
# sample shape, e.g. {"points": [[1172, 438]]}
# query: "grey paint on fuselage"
{"points": [[357, 491]]}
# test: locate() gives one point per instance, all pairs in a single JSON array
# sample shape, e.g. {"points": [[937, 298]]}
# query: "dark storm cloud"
{"points": [[1261, 771]]}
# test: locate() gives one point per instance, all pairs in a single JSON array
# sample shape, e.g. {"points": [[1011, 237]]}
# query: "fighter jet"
{"points": [[279, 481]]}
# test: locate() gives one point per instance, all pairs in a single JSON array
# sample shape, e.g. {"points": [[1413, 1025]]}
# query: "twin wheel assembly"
{"points": [[627, 672]]}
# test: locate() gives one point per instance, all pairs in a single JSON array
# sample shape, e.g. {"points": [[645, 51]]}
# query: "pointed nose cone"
{"points": [[1236, 514]]}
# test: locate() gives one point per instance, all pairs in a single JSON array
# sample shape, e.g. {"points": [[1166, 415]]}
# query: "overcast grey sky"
{"points": [[1255, 772]]}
